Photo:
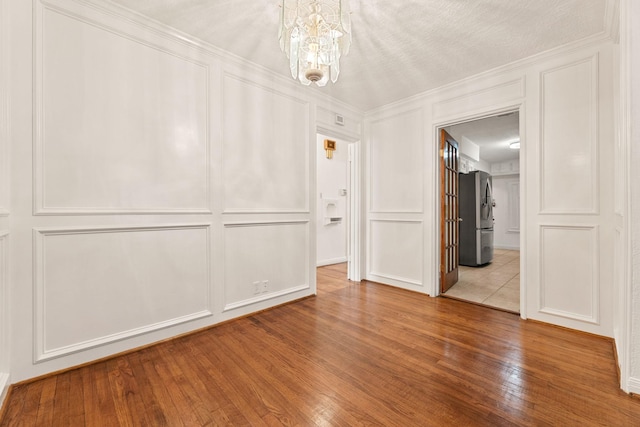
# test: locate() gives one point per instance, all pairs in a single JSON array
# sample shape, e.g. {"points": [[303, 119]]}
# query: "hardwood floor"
{"points": [[357, 354]]}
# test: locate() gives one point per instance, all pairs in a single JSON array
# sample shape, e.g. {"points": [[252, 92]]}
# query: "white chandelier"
{"points": [[314, 34]]}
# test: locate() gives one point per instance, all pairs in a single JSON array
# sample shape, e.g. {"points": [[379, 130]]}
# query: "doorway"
{"points": [[338, 206], [488, 147]]}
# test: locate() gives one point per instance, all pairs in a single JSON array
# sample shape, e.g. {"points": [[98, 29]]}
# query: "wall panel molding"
{"points": [[4, 308], [98, 285], [4, 112], [569, 134], [569, 271], [513, 209], [264, 260], [395, 157], [266, 143], [396, 248], [112, 134]]}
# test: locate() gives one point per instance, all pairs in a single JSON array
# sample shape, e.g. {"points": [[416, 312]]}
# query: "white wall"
{"points": [[628, 204], [152, 179], [565, 103], [506, 193], [5, 347], [332, 177]]}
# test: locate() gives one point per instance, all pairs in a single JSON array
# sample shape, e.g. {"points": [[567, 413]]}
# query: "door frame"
{"points": [[354, 205], [463, 118]]}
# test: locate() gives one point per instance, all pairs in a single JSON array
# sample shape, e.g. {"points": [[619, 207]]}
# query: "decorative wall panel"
{"points": [[4, 112], [570, 278], [265, 149], [94, 286], [4, 306], [121, 124], [264, 260], [569, 120], [397, 250], [396, 163]]}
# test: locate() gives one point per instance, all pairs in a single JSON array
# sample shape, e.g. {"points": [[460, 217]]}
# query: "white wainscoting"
{"points": [[569, 138], [396, 173], [265, 149], [121, 123], [264, 260], [396, 251], [569, 272], [4, 316], [4, 110], [98, 285]]}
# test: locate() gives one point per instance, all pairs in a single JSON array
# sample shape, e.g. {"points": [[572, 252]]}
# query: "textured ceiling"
{"points": [[493, 135], [401, 47]]}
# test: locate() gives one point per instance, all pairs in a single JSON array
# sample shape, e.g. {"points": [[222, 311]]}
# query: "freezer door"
{"points": [[485, 246]]}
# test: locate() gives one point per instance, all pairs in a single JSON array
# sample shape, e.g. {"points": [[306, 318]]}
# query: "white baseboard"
{"points": [[321, 263], [511, 248], [634, 385], [4, 387]]}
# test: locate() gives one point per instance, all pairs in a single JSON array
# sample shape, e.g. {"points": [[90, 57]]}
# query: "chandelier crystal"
{"points": [[314, 34]]}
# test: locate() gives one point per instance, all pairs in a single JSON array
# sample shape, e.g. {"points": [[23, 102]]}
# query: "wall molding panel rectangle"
{"points": [[396, 251], [569, 272], [396, 173], [264, 260], [121, 121], [265, 149], [569, 134], [94, 286], [4, 310], [4, 112]]}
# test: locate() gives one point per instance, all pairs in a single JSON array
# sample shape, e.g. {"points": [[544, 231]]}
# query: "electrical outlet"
{"points": [[265, 286], [257, 287]]}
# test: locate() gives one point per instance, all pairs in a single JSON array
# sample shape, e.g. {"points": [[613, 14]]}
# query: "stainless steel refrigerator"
{"points": [[476, 214]]}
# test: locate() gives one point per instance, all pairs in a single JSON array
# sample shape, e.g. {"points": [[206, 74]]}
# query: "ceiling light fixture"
{"points": [[515, 145], [314, 34]]}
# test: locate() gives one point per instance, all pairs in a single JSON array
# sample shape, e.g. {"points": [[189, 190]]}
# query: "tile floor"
{"points": [[496, 284]]}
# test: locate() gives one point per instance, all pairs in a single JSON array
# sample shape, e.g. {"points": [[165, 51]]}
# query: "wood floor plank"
{"points": [[357, 354], [99, 403]]}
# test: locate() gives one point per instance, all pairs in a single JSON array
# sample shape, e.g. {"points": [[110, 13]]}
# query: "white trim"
{"points": [[593, 230], [396, 280], [40, 351], [5, 107], [5, 319], [471, 81], [5, 381], [269, 296], [230, 224], [633, 385], [594, 118], [356, 220], [494, 110], [110, 24]]}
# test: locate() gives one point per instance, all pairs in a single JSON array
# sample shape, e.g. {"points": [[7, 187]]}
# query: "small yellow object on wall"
{"points": [[330, 147]]}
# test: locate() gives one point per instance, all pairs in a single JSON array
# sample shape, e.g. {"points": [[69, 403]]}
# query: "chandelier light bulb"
{"points": [[314, 34]]}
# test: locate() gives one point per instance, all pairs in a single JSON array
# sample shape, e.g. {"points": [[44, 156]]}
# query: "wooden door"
{"points": [[449, 211]]}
